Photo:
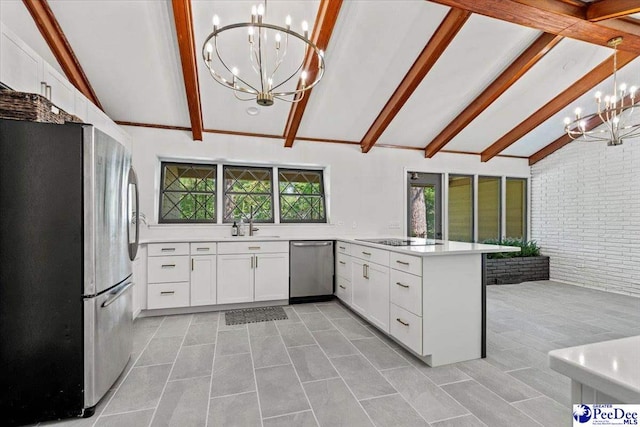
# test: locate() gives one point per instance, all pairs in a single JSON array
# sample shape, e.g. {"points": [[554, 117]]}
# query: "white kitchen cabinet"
{"points": [[140, 281], [378, 285], [203, 280], [235, 278], [360, 285], [20, 66], [62, 91], [271, 277]]}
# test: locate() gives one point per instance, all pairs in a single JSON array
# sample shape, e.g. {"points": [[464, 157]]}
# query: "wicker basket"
{"points": [[32, 107]]}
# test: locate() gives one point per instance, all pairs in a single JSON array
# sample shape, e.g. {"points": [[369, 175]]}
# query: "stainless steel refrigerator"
{"points": [[68, 201]]}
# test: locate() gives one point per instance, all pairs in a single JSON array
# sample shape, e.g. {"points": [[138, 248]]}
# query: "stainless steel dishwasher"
{"points": [[310, 271]]}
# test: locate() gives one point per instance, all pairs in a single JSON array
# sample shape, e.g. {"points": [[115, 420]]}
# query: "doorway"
{"points": [[424, 207]]}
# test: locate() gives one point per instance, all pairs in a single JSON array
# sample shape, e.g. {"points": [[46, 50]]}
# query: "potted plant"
{"points": [[505, 268]]}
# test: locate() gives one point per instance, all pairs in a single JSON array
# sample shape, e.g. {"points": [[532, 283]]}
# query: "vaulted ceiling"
{"points": [[491, 77]]}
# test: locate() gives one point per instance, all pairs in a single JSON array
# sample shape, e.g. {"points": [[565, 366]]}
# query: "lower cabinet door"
{"points": [[203, 280], [271, 277], [343, 290], [360, 285], [167, 295], [406, 327], [378, 278], [235, 278]]}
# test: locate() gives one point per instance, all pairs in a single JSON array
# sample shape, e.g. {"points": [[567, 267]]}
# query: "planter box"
{"points": [[508, 271]]}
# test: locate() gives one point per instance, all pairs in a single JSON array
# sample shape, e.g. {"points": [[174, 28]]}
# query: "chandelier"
{"points": [[269, 74], [612, 122]]}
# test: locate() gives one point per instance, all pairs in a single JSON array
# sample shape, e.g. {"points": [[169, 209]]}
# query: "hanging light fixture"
{"points": [[613, 121], [267, 46]]}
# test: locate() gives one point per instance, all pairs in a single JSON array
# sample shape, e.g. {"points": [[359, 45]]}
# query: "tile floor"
{"points": [[325, 366]]}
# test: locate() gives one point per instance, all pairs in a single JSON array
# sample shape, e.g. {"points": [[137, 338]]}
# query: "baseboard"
{"points": [[209, 308]]}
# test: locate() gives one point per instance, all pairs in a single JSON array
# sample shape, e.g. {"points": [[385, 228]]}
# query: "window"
{"points": [[248, 190], [516, 204], [301, 196], [187, 193], [461, 208], [424, 205], [489, 197]]}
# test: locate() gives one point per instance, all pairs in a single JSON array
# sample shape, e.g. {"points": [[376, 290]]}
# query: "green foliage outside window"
{"points": [[188, 193]]}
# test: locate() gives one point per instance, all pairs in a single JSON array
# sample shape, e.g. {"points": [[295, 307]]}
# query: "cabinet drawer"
{"points": [[252, 247], [343, 248], [343, 290], [406, 327], [343, 266], [164, 249], [377, 256], [406, 291], [168, 295], [407, 263], [203, 248], [163, 269]]}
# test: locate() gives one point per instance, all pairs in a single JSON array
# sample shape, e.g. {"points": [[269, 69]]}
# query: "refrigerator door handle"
{"points": [[135, 211], [117, 294]]}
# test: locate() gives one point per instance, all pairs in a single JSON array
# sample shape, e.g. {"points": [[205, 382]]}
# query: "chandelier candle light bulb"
{"points": [[270, 74], [615, 121]]}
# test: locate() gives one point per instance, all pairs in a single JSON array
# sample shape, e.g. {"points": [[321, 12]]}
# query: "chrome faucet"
{"points": [[251, 229]]}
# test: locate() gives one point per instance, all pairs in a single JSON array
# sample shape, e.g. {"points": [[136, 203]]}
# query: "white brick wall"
{"points": [[585, 214]]}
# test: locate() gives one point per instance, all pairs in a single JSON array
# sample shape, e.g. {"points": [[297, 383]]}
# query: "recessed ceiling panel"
{"points": [[553, 128], [17, 18], [220, 108], [481, 50], [373, 46], [569, 61], [129, 53]]}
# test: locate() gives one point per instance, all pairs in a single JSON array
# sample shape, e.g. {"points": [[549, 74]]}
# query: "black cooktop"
{"points": [[401, 242]]}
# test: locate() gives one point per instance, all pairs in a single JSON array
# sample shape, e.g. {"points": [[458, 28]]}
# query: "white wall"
{"points": [[366, 192], [586, 214]]}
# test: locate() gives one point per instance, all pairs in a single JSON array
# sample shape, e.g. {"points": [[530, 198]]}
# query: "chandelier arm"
{"points": [[217, 79], [235, 93], [284, 54], [262, 75], [285, 81], [291, 101], [252, 54], [225, 66], [306, 88]]}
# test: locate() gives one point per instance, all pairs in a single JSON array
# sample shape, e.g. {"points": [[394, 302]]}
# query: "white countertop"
{"points": [[443, 247], [612, 367]]}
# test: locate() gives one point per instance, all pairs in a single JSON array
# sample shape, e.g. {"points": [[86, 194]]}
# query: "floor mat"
{"points": [[254, 315]]}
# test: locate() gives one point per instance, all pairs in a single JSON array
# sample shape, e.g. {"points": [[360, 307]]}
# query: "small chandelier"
{"points": [[612, 122], [267, 46]]}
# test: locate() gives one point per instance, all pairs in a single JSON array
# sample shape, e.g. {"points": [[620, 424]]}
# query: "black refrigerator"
{"points": [[68, 233]]}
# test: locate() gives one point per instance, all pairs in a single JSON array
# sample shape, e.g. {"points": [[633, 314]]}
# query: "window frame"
{"points": [[162, 190], [322, 194], [271, 192], [501, 219]]}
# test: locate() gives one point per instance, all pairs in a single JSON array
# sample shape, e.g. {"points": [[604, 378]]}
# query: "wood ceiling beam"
{"points": [[183, 19], [322, 29], [52, 32], [573, 92], [557, 17], [536, 51], [449, 27], [565, 139], [607, 9]]}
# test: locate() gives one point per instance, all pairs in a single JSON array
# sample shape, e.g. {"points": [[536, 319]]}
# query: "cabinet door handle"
{"points": [[366, 253], [402, 262], [254, 248], [401, 285], [202, 249], [167, 292], [256, 261], [363, 271], [167, 249], [342, 247], [252, 261], [168, 265], [192, 264], [342, 287], [400, 321], [342, 262]]}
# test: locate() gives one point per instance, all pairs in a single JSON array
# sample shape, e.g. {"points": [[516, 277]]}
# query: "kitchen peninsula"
{"points": [[428, 296]]}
